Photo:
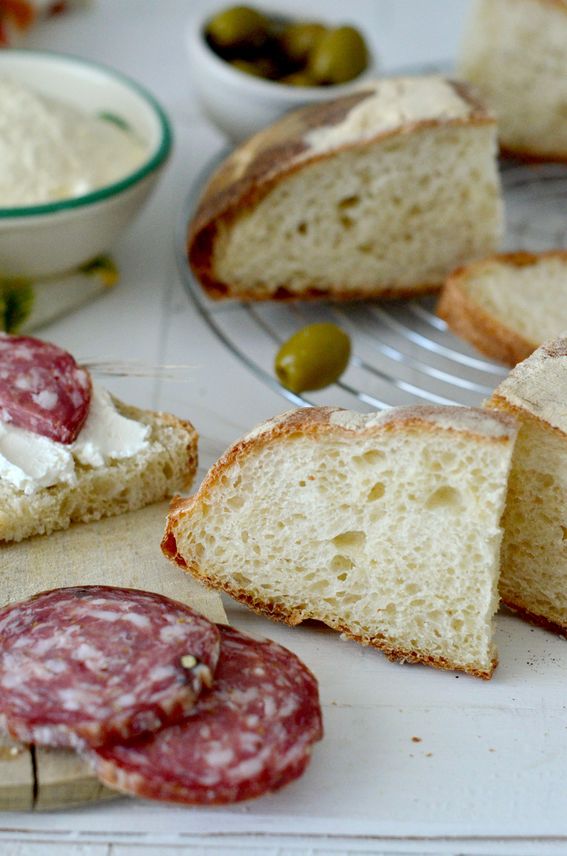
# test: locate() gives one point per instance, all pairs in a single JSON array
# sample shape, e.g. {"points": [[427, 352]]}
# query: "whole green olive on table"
{"points": [[313, 358]]}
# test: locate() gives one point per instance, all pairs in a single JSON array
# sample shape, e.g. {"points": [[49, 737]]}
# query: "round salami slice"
{"points": [[251, 733], [42, 389], [96, 664]]}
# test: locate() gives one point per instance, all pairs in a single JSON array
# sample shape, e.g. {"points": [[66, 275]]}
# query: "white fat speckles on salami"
{"points": [[250, 734], [42, 389], [96, 664]]}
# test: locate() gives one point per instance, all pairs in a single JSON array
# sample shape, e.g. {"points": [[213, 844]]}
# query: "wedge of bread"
{"points": [[166, 466], [509, 304], [515, 53], [534, 551], [385, 526], [380, 193]]}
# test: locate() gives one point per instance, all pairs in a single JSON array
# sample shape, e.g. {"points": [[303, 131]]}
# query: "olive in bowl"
{"points": [[251, 64]]}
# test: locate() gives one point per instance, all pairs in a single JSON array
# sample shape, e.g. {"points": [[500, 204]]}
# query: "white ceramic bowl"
{"points": [[240, 104], [40, 240]]}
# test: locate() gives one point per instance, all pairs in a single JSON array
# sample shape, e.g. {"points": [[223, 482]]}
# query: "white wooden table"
{"points": [[414, 761]]}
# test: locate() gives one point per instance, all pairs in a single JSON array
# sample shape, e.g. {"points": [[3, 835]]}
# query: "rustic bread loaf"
{"points": [[385, 526], [509, 304], [164, 467], [380, 193], [533, 577], [515, 53]]}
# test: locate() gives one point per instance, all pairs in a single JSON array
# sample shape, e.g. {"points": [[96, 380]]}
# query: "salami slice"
{"points": [[42, 389], [98, 664], [251, 733]]}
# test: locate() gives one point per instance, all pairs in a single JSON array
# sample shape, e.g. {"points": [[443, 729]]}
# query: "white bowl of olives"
{"points": [[250, 64]]}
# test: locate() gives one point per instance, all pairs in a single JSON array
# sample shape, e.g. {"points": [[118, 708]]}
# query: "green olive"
{"points": [[300, 39], [236, 26], [257, 68], [314, 357], [298, 78], [340, 56]]}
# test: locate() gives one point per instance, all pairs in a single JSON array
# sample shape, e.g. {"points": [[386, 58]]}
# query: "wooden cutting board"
{"points": [[122, 551]]}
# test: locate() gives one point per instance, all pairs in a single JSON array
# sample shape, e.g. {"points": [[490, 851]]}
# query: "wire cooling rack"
{"points": [[402, 353]]}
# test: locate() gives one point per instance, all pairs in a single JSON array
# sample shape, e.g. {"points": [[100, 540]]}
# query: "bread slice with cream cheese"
{"points": [[164, 466], [386, 527]]}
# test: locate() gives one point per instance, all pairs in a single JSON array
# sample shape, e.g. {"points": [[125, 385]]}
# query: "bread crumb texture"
{"points": [[534, 550], [515, 53], [384, 527], [383, 218]]}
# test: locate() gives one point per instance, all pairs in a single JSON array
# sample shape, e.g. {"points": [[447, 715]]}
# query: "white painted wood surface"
{"points": [[487, 773]]}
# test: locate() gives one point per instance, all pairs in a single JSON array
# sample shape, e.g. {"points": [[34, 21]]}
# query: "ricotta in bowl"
{"points": [[50, 150]]}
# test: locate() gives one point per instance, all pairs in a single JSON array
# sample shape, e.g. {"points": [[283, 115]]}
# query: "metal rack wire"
{"points": [[402, 353]]}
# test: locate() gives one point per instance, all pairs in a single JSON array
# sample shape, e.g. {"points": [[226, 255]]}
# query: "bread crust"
{"points": [[273, 155], [316, 421], [466, 318], [533, 618]]}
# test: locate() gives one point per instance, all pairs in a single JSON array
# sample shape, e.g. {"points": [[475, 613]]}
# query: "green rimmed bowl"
{"points": [[55, 237]]}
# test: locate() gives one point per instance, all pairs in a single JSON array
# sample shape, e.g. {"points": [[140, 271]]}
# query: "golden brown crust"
{"points": [[533, 617], [317, 421], [274, 154], [529, 156], [336, 293], [314, 421], [293, 617], [520, 414], [466, 318]]}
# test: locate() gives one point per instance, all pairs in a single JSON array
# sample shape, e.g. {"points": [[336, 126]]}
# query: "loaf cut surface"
{"points": [[380, 193], [515, 53], [533, 577], [164, 468], [509, 304], [386, 527]]}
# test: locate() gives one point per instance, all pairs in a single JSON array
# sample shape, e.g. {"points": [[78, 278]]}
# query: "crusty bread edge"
{"points": [[229, 200], [466, 318], [168, 420], [308, 421], [533, 617]]}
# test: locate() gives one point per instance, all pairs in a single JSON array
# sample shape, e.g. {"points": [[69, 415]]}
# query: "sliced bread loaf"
{"points": [[509, 304], [380, 193], [515, 53], [534, 551], [165, 466], [386, 527]]}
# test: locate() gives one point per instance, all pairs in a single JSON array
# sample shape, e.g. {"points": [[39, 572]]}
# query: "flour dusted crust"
{"points": [[334, 422], [471, 320], [380, 111], [537, 386]]}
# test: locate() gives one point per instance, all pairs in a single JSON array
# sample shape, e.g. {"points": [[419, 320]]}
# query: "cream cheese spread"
{"points": [[30, 462], [51, 151]]}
